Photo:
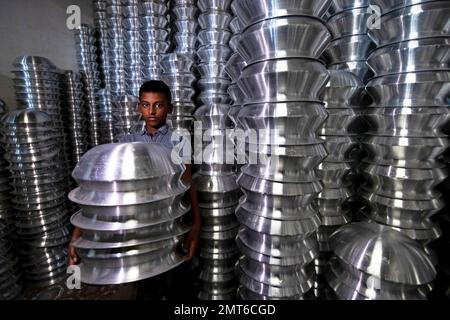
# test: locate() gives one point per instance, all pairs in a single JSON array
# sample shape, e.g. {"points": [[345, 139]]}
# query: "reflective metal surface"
{"points": [[131, 234]]}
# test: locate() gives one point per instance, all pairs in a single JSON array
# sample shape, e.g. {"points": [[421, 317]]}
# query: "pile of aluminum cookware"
{"points": [[185, 26], [405, 142], [375, 262], [349, 22], [87, 64], [217, 188], [154, 37], [74, 116], [342, 96], [214, 51], [131, 216], [280, 44], [9, 271], [116, 47], [39, 180], [131, 37], [101, 36], [178, 75], [126, 116]]}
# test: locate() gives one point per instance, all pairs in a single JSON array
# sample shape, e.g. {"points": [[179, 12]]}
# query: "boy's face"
{"points": [[154, 108]]}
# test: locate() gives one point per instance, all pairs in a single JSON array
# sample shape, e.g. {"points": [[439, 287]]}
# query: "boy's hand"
{"points": [[73, 257], [192, 240]]}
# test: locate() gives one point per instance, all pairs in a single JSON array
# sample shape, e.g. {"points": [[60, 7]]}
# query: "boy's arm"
{"points": [[73, 257], [192, 240]]}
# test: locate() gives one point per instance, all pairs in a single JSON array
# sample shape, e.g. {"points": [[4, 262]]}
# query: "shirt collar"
{"points": [[163, 130]]}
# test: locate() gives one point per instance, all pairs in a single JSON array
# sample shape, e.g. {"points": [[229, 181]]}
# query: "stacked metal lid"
{"points": [[185, 26], [214, 51], [87, 64], [132, 43], [131, 215], [39, 181], [124, 110], [116, 47], [101, 35], [9, 276], [341, 96], [154, 37], [351, 45], [405, 141], [178, 75], [74, 116], [281, 44], [375, 262]]}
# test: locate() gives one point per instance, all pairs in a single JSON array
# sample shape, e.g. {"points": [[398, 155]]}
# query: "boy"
{"points": [[155, 103]]}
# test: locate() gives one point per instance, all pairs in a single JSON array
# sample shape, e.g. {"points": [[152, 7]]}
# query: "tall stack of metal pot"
{"points": [[126, 116], [131, 215], [348, 23], [39, 180], [74, 116], [216, 180], [375, 262], [154, 37], [179, 76], [185, 26], [131, 37], [342, 97], [214, 51], [9, 275], [281, 43], [218, 195], [116, 47], [101, 35], [405, 142], [87, 65]]}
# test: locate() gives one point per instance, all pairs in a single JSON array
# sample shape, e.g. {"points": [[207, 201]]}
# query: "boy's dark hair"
{"points": [[156, 86]]}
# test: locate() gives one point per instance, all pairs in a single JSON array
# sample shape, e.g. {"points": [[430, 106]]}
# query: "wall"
{"points": [[36, 27]]}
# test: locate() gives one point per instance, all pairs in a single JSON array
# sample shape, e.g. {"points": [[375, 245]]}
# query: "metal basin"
{"points": [[290, 37], [411, 56], [283, 80], [418, 21]]}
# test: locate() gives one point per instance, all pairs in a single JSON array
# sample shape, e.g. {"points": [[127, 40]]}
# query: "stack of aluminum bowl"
{"points": [[351, 45], [116, 47], [9, 276], [185, 26], [106, 117], [154, 37], [87, 64], [405, 141], [37, 86], [281, 44], [125, 114], [214, 51], [39, 183], [341, 97], [374, 262], [218, 195], [101, 35], [131, 215], [233, 68], [132, 43], [178, 75], [74, 117]]}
